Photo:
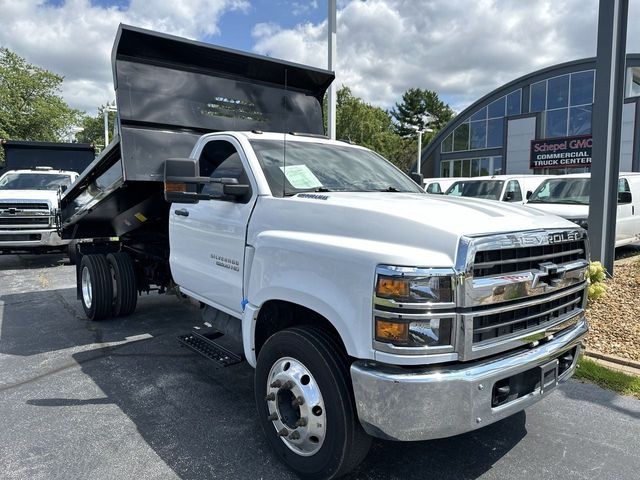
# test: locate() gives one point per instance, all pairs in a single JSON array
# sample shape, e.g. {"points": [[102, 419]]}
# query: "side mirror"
{"points": [[508, 196], [180, 180], [624, 197], [418, 178], [236, 191], [529, 193]]}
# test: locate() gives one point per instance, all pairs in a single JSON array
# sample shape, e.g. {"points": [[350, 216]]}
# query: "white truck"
{"points": [[28, 206], [568, 196], [367, 307], [505, 188]]}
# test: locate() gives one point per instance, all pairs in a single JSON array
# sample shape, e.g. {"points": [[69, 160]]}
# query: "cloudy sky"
{"points": [[460, 48]]}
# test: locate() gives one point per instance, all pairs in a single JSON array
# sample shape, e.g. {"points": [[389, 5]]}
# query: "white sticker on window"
{"points": [[301, 177]]}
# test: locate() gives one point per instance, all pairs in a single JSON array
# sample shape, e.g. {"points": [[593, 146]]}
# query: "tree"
{"points": [[372, 127], [31, 107], [93, 128], [416, 103]]}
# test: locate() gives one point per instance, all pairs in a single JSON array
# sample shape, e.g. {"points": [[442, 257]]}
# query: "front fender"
{"points": [[331, 279]]}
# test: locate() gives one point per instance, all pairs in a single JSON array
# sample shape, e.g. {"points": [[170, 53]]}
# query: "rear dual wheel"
{"points": [[107, 285]]}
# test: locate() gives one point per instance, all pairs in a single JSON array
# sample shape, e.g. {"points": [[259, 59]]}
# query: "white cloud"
{"points": [[459, 48], [75, 39]]}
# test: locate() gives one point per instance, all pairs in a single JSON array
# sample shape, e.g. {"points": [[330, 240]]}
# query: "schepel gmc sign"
{"points": [[564, 152]]}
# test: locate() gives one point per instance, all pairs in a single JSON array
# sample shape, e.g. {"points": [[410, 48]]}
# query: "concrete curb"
{"points": [[629, 365]]}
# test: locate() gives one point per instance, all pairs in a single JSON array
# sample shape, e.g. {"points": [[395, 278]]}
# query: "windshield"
{"points": [[562, 190], [487, 189], [321, 167], [33, 181]]}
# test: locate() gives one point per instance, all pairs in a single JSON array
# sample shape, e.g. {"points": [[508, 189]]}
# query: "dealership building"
{"points": [[539, 123]]}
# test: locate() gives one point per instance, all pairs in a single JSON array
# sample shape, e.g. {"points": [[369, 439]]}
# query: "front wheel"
{"points": [[306, 406]]}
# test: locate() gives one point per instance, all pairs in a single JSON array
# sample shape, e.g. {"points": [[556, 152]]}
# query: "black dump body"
{"points": [[74, 157], [169, 92]]}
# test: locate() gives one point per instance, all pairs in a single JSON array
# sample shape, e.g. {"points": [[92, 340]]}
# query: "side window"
{"points": [[513, 193], [624, 192], [220, 159], [434, 188], [623, 185]]}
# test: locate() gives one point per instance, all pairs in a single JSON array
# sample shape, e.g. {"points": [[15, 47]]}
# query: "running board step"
{"points": [[210, 349]]}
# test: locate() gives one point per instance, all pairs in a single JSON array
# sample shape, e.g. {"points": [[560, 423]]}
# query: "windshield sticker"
{"points": [[300, 177]]}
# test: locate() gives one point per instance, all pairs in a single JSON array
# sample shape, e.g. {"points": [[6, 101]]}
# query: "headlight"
{"points": [[412, 285], [434, 332], [582, 222], [414, 307]]}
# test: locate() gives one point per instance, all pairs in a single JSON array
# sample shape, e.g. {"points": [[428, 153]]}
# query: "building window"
{"points": [[565, 102], [485, 128], [514, 103], [471, 167], [582, 84], [461, 137], [538, 100]]}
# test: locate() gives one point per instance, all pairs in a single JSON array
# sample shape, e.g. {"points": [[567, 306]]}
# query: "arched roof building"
{"points": [[494, 135]]}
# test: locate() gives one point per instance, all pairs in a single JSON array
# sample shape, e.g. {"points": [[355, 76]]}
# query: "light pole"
{"points": [[105, 113], [426, 120], [332, 34]]}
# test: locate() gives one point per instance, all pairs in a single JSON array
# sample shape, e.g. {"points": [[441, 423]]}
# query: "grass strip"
{"points": [[604, 377]]}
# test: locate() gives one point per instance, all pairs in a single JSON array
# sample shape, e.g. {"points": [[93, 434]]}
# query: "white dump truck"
{"points": [[366, 306]]}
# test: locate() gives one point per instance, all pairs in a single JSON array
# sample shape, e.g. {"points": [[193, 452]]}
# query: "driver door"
{"points": [[208, 238]]}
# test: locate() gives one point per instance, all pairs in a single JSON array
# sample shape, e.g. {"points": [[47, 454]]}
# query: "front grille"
{"points": [[24, 221], [522, 259], [24, 206], [492, 326]]}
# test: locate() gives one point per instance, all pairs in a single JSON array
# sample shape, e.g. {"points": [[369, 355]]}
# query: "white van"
{"points": [[506, 188], [439, 185], [568, 196]]}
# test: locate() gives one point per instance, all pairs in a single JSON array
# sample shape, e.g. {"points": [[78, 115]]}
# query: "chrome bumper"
{"points": [[437, 402], [47, 239]]}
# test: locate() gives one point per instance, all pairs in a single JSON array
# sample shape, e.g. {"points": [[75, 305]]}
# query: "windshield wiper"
{"points": [[322, 189], [389, 189]]}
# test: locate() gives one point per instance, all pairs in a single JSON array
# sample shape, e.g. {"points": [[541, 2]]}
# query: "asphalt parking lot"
{"points": [[121, 399]]}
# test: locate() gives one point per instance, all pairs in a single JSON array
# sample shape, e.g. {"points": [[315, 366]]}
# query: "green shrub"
{"points": [[596, 275]]}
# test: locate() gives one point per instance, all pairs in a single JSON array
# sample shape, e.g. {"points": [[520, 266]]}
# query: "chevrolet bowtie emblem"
{"points": [[547, 276]]}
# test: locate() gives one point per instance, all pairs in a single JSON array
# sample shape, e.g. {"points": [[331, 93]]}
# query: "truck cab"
{"points": [[28, 206], [568, 196]]}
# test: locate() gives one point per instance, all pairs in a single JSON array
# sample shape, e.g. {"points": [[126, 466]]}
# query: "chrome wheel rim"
{"points": [[296, 408], [87, 291]]}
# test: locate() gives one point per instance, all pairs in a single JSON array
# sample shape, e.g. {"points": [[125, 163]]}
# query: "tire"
{"points": [[342, 444], [96, 287], [126, 293], [72, 253]]}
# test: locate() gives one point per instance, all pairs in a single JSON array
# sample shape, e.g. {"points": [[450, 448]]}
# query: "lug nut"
{"points": [[297, 401], [302, 422], [272, 417], [288, 385], [271, 397], [283, 433], [294, 436], [276, 384]]}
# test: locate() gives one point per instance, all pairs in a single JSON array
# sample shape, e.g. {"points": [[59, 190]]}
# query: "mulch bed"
{"points": [[615, 318]]}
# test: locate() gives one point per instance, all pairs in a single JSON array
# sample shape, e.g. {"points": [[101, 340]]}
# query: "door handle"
{"points": [[182, 212]]}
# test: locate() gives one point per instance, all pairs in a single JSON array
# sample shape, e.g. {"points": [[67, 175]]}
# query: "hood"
{"points": [[48, 195], [401, 226], [561, 209]]}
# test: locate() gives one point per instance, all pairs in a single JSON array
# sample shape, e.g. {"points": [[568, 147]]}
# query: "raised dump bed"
{"points": [[169, 92]]}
